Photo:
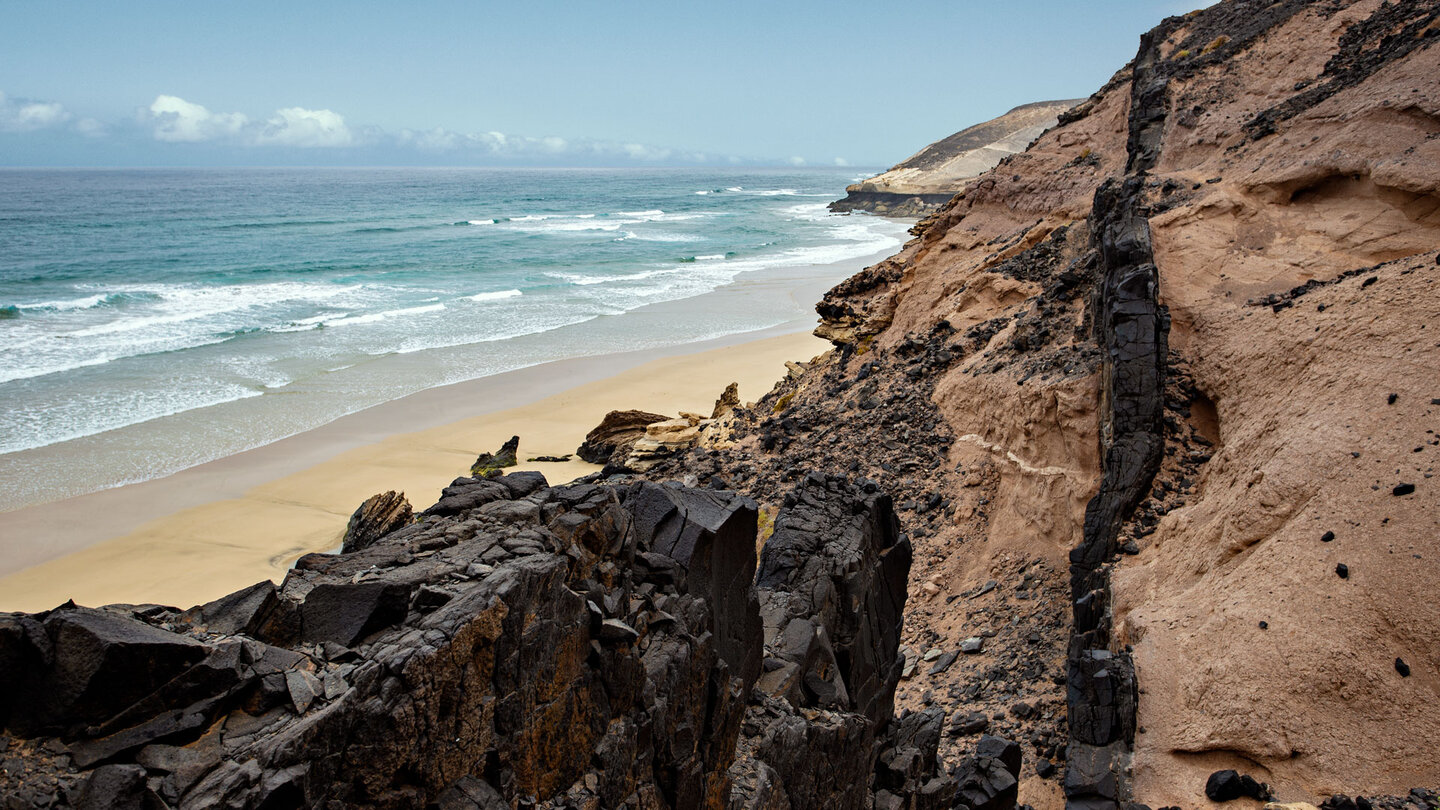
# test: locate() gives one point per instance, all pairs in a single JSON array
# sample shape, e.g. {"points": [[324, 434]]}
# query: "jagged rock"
{"points": [[102, 663], [615, 433], [489, 464], [377, 516], [990, 780], [240, 612], [836, 557], [729, 400], [711, 538], [346, 612], [607, 645]]}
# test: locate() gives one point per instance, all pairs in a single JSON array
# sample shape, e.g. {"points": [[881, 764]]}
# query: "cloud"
{"points": [[170, 119], [178, 120], [28, 115], [796, 161], [297, 126], [839, 161], [524, 147]]}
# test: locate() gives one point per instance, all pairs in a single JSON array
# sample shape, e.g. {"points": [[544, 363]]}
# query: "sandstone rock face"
{"points": [[1135, 388], [615, 433], [925, 181]]}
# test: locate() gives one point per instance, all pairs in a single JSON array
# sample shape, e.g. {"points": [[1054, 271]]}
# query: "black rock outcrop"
{"points": [[579, 646]]}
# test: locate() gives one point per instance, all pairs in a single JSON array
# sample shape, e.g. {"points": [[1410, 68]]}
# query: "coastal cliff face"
{"points": [[1157, 400], [1119, 476], [926, 180]]}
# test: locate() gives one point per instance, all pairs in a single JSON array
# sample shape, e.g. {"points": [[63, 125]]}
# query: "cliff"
{"points": [[1157, 401], [929, 178], [1116, 486]]}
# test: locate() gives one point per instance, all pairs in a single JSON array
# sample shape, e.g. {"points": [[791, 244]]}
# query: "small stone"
{"points": [[933, 653], [1342, 570], [943, 663], [1327, 537], [1402, 489], [1402, 667], [1264, 625], [972, 645], [616, 630], [972, 723], [1022, 710], [1390, 400], [1044, 769]]}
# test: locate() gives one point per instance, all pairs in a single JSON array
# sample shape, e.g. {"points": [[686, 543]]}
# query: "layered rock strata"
{"points": [[926, 180]]}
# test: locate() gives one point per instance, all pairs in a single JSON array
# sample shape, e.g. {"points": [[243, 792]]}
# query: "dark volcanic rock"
{"points": [[101, 664], [990, 780], [1224, 786], [583, 646], [832, 585], [617, 431], [345, 612], [489, 464], [377, 516]]}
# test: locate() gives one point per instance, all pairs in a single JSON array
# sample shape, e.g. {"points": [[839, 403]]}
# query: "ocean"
{"points": [[151, 320]]}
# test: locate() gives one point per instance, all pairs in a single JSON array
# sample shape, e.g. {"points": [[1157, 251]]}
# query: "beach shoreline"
{"points": [[207, 530]]}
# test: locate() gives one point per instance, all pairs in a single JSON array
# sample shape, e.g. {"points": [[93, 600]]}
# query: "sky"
{"points": [[536, 82]]}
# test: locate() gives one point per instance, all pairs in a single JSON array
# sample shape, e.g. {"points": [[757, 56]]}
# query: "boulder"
{"points": [[346, 612], [489, 464], [663, 440], [103, 662], [240, 612], [989, 780], [377, 516], [615, 433]]}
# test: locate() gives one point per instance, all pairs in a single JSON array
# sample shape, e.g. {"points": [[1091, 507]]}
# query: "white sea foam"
{"points": [[67, 305], [493, 296], [384, 315], [710, 258], [662, 236]]}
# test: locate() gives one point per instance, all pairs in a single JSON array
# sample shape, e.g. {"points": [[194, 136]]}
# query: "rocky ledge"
{"points": [[582, 646]]}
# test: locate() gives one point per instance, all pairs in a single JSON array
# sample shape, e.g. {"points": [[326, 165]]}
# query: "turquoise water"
{"points": [[128, 297]]}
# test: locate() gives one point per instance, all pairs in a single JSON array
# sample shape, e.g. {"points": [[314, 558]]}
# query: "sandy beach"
{"points": [[207, 531]]}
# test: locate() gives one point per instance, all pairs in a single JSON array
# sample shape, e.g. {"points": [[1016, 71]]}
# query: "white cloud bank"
{"points": [[171, 119], [179, 121], [30, 115]]}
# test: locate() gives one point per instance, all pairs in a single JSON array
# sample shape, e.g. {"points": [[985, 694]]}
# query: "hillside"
{"points": [[929, 178]]}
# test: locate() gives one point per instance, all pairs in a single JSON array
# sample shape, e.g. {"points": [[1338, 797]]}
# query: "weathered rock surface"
{"points": [[488, 464], [615, 433], [581, 646], [377, 516]]}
